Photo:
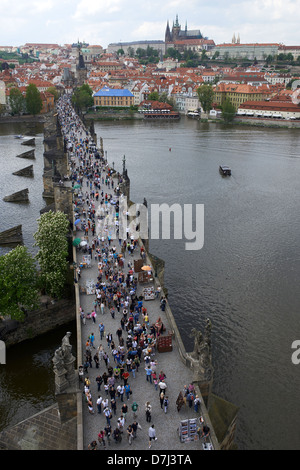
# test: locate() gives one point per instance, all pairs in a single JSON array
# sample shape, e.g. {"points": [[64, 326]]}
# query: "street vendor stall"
{"points": [[149, 293], [86, 261], [145, 274]]}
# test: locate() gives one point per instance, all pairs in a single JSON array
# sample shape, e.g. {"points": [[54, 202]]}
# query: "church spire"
{"points": [[168, 33]]}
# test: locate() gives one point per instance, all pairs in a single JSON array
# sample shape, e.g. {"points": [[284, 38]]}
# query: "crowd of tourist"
{"points": [[129, 350]]}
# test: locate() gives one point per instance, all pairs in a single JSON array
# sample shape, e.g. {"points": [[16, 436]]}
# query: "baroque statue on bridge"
{"points": [[63, 365]]}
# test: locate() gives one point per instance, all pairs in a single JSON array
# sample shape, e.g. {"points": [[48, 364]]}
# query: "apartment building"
{"points": [[111, 97]]}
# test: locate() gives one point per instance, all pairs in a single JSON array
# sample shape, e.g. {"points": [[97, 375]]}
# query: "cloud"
{"points": [[106, 21], [91, 7], [150, 30], [44, 6]]}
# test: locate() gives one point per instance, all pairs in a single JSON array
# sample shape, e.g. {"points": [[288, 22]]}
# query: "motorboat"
{"points": [[225, 170]]}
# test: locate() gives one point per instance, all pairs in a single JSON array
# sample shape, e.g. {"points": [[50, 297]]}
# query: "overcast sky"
{"points": [[101, 22]]}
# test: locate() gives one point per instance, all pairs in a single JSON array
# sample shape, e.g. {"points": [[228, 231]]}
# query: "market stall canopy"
{"points": [[146, 268]]}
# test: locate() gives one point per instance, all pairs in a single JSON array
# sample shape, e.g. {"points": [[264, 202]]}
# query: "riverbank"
{"points": [[111, 115], [267, 123], [39, 118], [283, 124]]}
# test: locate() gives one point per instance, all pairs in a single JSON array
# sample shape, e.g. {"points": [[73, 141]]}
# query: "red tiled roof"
{"points": [[271, 106]]}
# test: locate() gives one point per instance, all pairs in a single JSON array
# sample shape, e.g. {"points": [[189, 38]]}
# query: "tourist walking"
{"points": [[197, 404], [108, 414], [161, 399], [148, 409], [130, 434], [101, 439], [148, 374], [152, 435], [107, 431], [101, 330], [121, 423], [135, 426], [162, 387], [128, 391], [124, 410], [134, 408], [166, 404], [180, 401], [99, 402]]}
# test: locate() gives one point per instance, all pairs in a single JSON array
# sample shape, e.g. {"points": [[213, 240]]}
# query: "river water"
{"points": [[27, 380], [246, 276]]}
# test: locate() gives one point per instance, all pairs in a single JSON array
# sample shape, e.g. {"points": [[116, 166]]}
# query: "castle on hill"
{"points": [[185, 39], [177, 34]]}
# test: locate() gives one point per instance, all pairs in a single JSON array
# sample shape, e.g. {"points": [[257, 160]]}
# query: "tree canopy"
{"points": [[16, 101], [147, 56], [51, 238], [34, 102], [53, 91], [206, 97], [228, 111], [18, 283], [83, 97], [153, 96]]}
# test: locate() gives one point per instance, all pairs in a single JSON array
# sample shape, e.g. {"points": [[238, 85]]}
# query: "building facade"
{"points": [[110, 97], [270, 109], [246, 51], [133, 46], [238, 94]]}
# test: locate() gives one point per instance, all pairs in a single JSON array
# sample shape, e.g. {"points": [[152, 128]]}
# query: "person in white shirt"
{"points": [[99, 401], [152, 435], [162, 386]]}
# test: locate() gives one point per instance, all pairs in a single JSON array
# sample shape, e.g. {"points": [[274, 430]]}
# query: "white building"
{"points": [[2, 93]]}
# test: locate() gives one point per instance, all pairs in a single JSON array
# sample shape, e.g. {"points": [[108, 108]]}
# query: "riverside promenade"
{"points": [[93, 277]]}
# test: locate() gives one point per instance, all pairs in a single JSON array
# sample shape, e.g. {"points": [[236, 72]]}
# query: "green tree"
{"points": [[228, 111], [204, 55], [83, 97], [51, 238], [154, 96], [164, 98], [140, 52], [53, 91], [270, 58], [206, 97], [130, 51], [173, 53], [18, 286], [33, 98], [16, 101]]}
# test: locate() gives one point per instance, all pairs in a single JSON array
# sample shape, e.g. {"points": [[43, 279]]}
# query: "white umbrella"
{"points": [[83, 243]]}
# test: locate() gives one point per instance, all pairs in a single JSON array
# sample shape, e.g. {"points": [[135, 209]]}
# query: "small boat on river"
{"points": [[225, 170]]}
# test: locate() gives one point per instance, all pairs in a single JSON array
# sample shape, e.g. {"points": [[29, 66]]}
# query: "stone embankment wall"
{"points": [[279, 124], [49, 317], [108, 115]]}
